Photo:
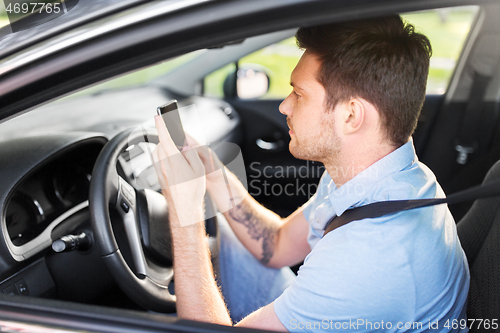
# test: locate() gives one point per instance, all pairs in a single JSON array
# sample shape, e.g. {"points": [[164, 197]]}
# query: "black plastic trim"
{"points": [[68, 315]]}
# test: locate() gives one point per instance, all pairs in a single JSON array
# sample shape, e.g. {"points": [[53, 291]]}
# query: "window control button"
{"points": [[125, 207], [22, 288], [10, 290]]}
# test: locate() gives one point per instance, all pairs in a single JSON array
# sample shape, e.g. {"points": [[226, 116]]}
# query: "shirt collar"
{"points": [[355, 190]]}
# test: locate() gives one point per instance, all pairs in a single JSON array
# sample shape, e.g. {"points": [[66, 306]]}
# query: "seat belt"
{"points": [[382, 208]]}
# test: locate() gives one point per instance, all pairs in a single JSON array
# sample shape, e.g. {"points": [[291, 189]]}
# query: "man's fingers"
{"points": [[154, 155], [202, 152], [209, 159], [158, 165], [192, 142], [179, 168], [195, 162], [164, 136]]}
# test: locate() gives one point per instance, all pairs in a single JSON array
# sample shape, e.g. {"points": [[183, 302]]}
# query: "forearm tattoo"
{"points": [[257, 229]]}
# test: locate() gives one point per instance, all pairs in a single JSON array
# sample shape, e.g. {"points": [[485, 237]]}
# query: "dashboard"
{"points": [[47, 195], [44, 186], [44, 189]]}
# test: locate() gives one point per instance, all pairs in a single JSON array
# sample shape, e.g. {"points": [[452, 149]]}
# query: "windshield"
{"points": [[23, 22]]}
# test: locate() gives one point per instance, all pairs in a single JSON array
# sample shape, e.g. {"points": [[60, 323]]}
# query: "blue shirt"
{"points": [[402, 272]]}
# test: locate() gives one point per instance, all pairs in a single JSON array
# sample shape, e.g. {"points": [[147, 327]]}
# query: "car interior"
{"points": [[51, 157]]}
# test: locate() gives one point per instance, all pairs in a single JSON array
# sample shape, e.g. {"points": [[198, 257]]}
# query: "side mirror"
{"points": [[251, 82]]}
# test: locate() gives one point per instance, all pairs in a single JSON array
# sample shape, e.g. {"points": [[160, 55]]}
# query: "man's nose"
{"points": [[285, 106]]}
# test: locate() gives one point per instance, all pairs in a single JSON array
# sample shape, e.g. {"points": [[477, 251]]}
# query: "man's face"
{"points": [[312, 132]]}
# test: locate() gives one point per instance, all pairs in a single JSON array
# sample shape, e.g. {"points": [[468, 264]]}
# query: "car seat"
{"points": [[479, 233]]}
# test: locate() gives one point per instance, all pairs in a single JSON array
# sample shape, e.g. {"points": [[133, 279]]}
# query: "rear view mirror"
{"points": [[251, 82]]}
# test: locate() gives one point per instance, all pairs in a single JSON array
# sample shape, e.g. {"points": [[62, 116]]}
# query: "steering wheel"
{"points": [[143, 215]]}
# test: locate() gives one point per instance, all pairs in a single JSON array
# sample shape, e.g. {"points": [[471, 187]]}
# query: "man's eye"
{"points": [[297, 95]]}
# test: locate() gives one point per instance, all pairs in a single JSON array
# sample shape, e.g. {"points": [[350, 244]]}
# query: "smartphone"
{"points": [[170, 115]]}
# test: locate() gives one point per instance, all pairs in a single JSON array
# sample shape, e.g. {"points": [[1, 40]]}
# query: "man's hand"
{"points": [[223, 186], [183, 181], [182, 178], [214, 168], [211, 162]]}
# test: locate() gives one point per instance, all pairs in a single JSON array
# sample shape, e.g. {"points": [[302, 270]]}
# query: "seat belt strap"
{"points": [[382, 208]]}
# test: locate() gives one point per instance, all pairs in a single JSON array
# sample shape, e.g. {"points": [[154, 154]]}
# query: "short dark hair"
{"points": [[382, 60]]}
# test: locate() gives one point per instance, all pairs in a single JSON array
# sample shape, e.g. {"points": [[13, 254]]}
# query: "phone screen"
{"points": [[170, 114]]}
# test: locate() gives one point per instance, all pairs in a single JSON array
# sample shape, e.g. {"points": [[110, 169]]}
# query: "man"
{"points": [[357, 94]]}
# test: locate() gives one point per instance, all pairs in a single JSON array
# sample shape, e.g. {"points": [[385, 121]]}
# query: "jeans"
{"points": [[246, 284]]}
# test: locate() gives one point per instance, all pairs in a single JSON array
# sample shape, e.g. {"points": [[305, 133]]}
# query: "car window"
{"points": [[278, 59], [446, 28]]}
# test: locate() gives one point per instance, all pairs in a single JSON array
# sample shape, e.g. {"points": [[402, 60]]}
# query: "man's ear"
{"points": [[355, 113]]}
